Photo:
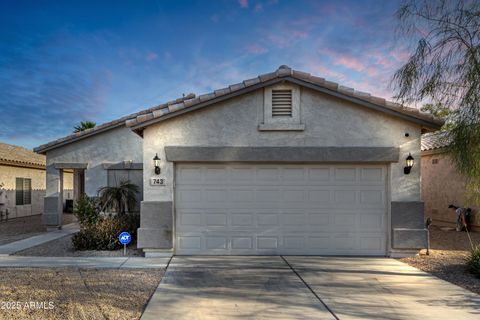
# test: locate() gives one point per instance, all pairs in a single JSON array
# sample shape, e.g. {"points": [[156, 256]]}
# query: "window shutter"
{"points": [[282, 103], [19, 191], [27, 191]]}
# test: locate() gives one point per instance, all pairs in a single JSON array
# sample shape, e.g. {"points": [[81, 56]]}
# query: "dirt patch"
{"points": [[447, 258], [441, 239], [26, 227], [63, 248], [68, 293]]}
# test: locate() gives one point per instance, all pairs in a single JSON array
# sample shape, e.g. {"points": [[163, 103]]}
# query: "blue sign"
{"points": [[125, 238]]}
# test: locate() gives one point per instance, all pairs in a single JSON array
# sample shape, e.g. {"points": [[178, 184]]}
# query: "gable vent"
{"points": [[281, 103]]}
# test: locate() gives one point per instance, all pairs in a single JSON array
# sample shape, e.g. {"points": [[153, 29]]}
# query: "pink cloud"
{"points": [[381, 59], [258, 7], [349, 62], [400, 56], [151, 56], [256, 49], [371, 71], [243, 3]]}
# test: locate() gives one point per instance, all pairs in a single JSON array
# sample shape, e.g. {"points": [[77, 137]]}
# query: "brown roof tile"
{"points": [[16, 155], [435, 140], [136, 119]]}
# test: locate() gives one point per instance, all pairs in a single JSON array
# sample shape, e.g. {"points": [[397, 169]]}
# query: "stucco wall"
{"points": [[116, 145], [442, 185], [8, 174], [329, 122]]}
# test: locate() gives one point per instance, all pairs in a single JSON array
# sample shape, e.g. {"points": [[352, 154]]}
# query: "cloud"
{"points": [[349, 62], [150, 56], [243, 3], [46, 89], [258, 7], [256, 49], [286, 38]]}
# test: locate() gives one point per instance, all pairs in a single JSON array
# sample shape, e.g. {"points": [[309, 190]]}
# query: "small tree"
{"points": [[84, 125], [440, 111], [444, 67], [120, 198]]}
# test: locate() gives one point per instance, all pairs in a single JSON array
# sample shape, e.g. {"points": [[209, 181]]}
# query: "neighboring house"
{"points": [[22, 174], [442, 184], [284, 163]]}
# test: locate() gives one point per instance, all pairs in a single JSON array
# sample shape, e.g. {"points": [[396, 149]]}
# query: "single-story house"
{"points": [[22, 182], [284, 163], [442, 184]]}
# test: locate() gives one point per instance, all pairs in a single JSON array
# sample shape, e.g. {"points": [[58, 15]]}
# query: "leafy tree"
{"points": [[444, 67], [84, 125], [120, 198], [440, 111]]}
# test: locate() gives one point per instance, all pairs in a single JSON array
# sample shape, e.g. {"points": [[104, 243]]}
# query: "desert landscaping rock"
{"points": [[78, 293], [447, 257]]}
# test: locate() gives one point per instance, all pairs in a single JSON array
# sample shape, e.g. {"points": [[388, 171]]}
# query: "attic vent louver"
{"points": [[282, 103]]}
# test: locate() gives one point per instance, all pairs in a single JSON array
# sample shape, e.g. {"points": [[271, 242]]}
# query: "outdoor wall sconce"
{"points": [[156, 163], [408, 164]]}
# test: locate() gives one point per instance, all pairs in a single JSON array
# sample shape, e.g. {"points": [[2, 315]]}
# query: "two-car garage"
{"points": [[254, 209]]}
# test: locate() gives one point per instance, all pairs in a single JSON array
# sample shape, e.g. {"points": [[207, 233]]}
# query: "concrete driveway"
{"points": [[305, 288]]}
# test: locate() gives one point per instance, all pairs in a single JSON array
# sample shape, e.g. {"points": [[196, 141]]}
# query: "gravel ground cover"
{"points": [[63, 248], [26, 227], [447, 257], [70, 293]]}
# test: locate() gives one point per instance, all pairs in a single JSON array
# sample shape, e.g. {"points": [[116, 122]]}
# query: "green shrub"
{"points": [[103, 235], [473, 261], [85, 210]]}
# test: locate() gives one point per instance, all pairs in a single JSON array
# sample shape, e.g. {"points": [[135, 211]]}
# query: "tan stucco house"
{"points": [[283, 163], [22, 181], [22, 174], [442, 184]]}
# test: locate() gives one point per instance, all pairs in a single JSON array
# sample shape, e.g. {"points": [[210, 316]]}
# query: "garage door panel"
{"points": [[280, 209], [216, 243], [216, 220]]}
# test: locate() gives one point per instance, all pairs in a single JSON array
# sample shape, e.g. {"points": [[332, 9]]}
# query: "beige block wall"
{"points": [[8, 174], [442, 185]]}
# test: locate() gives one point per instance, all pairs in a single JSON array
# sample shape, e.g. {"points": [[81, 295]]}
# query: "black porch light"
{"points": [[156, 163], [409, 161]]}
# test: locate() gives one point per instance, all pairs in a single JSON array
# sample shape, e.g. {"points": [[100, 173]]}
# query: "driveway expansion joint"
{"points": [[309, 288]]}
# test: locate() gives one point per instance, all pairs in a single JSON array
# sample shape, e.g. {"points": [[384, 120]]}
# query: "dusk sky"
{"points": [[62, 62]]}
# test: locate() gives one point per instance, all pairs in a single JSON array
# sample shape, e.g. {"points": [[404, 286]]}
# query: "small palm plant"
{"points": [[84, 125], [119, 198]]}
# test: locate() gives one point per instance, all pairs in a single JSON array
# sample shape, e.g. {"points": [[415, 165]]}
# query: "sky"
{"points": [[62, 62]]}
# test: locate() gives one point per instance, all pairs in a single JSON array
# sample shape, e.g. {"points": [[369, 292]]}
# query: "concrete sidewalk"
{"points": [[11, 248], [83, 262]]}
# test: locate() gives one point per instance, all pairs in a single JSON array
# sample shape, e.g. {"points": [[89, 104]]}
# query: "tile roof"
{"points": [[20, 156], [283, 73], [435, 140], [144, 114], [191, 102]]}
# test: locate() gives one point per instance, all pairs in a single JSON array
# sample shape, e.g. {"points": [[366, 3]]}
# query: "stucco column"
{"points": [[53, 201]]}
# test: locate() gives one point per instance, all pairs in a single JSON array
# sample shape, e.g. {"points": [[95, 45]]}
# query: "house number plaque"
{"points": [[157, 181]]}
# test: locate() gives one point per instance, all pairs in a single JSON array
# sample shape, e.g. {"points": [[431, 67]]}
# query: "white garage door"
{"points": [[250, 209]]}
